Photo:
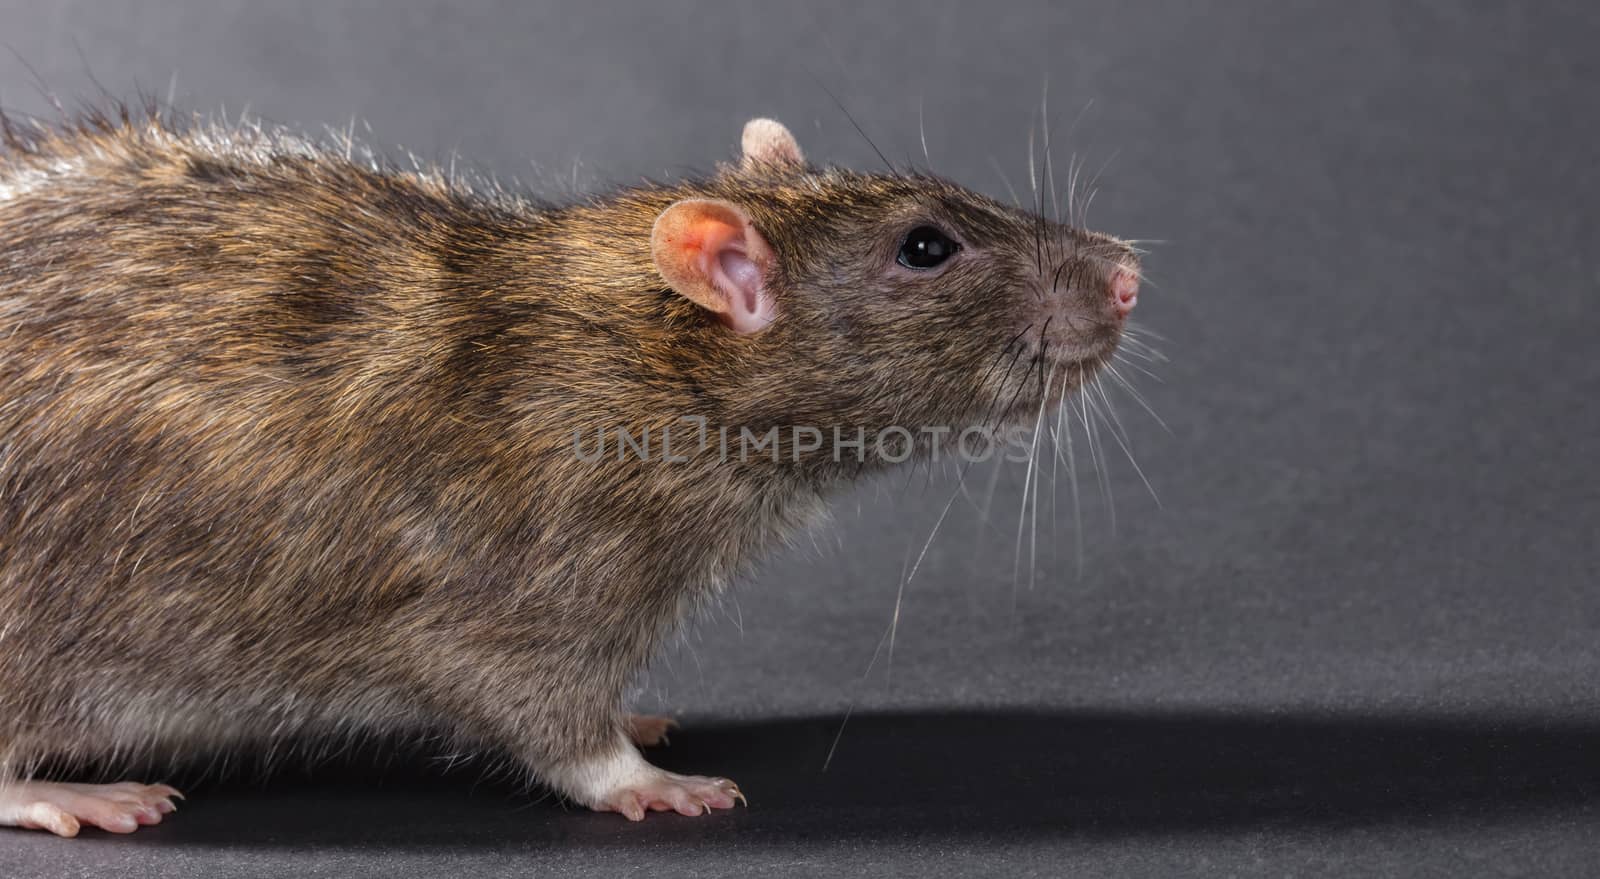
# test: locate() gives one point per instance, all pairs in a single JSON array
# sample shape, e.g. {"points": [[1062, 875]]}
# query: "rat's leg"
{"points": [[63, 808], [649, 730], [579, 743], [558, 710]]}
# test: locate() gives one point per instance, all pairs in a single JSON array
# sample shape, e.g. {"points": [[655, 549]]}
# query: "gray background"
{"points": [[1357, 633]]}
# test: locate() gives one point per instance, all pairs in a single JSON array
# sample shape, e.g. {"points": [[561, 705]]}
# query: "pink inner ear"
{"points": [[739, 278], [744, 275]]}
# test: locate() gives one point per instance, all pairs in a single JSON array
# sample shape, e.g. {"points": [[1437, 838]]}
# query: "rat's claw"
{"points": [[628, 804], [730, 790]]}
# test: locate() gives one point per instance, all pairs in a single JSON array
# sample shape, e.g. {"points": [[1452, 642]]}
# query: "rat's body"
{"points": [[287, 442]]}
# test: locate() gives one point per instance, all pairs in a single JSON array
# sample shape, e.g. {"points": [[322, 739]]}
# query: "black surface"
{"points": [[1024, 783], [1355, 637]]}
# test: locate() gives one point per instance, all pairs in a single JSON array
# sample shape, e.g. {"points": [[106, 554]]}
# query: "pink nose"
{"points": [[1125, 291]]}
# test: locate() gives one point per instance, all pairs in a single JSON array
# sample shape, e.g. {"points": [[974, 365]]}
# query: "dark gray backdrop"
{"points": [[1356, 635]]}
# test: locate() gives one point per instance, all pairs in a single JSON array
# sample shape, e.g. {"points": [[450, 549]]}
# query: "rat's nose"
{"points": [[1124, 290]]}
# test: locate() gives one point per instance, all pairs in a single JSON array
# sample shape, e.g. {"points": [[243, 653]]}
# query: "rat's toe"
{"points": [[627, 803], [48, 816]]}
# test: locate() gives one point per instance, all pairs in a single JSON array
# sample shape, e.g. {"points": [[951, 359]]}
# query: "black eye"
{"points": [[925, 247]]}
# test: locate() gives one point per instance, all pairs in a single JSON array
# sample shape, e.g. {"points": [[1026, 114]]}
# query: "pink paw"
{"points": [[667, 791], [63, 808]]}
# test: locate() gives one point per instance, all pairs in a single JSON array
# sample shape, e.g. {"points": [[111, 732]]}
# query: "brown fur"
{"points": [[286, 439]]}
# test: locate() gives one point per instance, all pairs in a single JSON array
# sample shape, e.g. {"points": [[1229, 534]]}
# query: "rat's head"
{"points": [[880, 299]]}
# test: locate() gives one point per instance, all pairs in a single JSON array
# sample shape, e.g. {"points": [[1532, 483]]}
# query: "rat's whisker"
{"points": [[1143, 331], [1135, 346], [894, 619], [1064, 425], [1113, 423], [922, 135], [1074, 168], [905, 582], [856, 125], [1001, 389], [1135, 393], [1021, 384], [1091, 432], [1099, 254], [1054, 453], [1122, 358], [1038, 430], [988, 497], [1038, 228], [1095, 180], [1049, 165], [1125, 442], [983, 509], [1103, 166], [855, 699], [1012, 190], [1029, 478]]}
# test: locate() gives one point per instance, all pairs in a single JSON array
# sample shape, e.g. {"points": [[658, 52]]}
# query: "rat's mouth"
{"points": [[1067, 338], [1069, 358], [1044, 381]]}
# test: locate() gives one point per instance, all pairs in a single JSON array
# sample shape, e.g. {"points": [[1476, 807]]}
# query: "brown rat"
{"points": [[287, 441]]}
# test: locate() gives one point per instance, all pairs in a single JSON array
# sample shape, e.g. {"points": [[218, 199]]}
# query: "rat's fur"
{"points": [[286, 440]]}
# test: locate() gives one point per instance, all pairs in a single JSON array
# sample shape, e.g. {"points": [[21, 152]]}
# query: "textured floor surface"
{"points": [[1356, 635]]}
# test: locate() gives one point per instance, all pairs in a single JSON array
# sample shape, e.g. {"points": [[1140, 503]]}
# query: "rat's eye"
{"points": [[925, 247]]}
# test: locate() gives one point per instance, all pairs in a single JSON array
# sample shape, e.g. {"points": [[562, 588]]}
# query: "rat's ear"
{"points": [[710, 253], [767, 143]]}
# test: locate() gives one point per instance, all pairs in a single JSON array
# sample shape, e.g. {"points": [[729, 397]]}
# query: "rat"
{"points": [[287, 436]]}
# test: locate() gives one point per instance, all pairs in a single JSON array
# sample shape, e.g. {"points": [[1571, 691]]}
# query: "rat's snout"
{"points": [[1124, 288], [1088, 298], [1100, 280]]}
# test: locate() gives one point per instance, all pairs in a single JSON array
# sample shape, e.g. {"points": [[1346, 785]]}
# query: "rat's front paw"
{"points": [[620, 780], [664, 791]]}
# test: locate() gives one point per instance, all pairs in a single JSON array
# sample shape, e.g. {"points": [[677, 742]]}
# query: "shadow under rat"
{"points": [[970, 776]]}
